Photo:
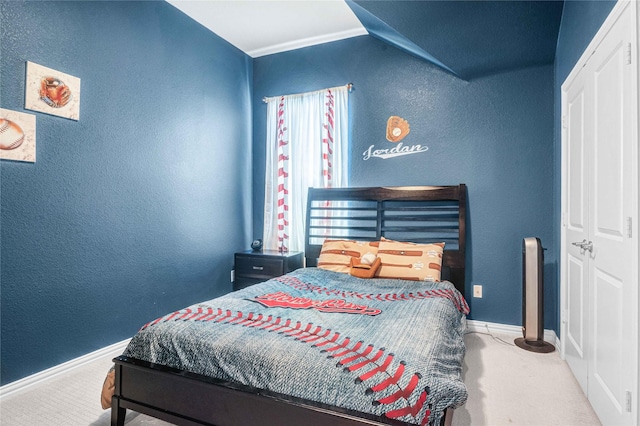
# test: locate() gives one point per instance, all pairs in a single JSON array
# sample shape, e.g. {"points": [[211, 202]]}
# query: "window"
{"points": [[307, 146]]}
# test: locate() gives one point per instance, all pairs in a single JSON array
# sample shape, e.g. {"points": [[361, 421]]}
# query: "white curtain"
{"points": [[307, 146]]}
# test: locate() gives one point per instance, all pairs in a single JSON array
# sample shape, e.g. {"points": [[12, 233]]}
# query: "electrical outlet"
{"points": [[477, 291]]}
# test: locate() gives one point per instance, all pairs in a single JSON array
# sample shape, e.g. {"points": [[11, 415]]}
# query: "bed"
{"points": [[317, 346]]}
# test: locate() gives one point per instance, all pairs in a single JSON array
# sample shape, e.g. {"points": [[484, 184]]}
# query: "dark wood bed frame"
{"points": [[427, 213]]}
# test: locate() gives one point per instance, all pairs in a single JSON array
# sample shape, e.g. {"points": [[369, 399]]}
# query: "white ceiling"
{"points": [[263, 27]]}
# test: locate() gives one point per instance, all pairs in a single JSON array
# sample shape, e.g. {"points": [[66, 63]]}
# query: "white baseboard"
{"points": [[515, 330], [34, 379]]}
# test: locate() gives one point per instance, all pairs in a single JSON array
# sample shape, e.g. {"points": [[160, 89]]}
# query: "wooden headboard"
{"points": [[420, 214]]}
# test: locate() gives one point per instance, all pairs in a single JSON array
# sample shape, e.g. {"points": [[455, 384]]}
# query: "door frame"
{"points": [[617, 10]]}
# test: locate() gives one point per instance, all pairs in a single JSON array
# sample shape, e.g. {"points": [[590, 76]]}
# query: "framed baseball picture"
{"points": [[52, 92], [17, 136]]}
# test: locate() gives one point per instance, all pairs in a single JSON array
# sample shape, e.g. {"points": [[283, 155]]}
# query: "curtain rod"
{"points": [[349, 88]]}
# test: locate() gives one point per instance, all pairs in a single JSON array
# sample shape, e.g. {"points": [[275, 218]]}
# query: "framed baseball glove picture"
{"points": [[52, 92]]}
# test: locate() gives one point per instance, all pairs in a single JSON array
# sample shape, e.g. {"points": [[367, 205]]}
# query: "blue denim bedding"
{"points": [[391, 348]]}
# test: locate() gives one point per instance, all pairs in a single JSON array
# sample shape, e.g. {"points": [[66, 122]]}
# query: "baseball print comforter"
{"points": [[391, 348]]}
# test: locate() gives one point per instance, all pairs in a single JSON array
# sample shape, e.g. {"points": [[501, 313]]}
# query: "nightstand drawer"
{"points": [[259, 266], [252, 267]]}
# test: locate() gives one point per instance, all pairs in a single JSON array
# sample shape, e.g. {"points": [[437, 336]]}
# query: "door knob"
{"points": [[580, 244], [584, 245]]}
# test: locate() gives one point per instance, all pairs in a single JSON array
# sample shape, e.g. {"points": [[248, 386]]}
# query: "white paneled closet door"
{"points": [[578, 143], [600, 208]]}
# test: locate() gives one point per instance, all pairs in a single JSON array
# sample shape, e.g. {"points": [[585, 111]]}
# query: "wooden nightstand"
{"points": [[252, 267]]}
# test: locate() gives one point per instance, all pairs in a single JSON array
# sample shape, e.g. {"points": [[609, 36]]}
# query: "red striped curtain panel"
{"points": [[307, 146]]}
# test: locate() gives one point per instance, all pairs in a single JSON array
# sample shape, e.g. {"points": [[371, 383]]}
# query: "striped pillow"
{"points": [[410, 261], [336, 255]]}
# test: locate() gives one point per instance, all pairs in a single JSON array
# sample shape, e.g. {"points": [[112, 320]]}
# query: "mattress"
{"points": [[385, 347]]}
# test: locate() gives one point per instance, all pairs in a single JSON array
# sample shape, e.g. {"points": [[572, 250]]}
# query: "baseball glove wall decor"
{"points": [[52, 92], [397, 128]]}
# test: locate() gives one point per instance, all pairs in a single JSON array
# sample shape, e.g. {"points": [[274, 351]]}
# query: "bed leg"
{"points": [[117, 413], [447, 419]]}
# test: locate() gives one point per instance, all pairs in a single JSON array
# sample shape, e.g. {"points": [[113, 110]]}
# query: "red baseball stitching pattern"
{"points": [[327, 156], [458, 301], [327, 141], [352, 357], [283, 192], [4, 125]]}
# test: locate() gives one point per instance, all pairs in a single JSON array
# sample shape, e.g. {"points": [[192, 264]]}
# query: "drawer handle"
{"points": [[258, 268]]}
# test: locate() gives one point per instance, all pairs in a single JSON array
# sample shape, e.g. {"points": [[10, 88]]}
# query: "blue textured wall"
{"points": [[136, 209], [581, 20], [493, 133]]}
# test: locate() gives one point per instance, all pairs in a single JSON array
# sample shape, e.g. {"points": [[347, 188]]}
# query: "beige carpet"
{"points": [[510, 386], [507, 386]]}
